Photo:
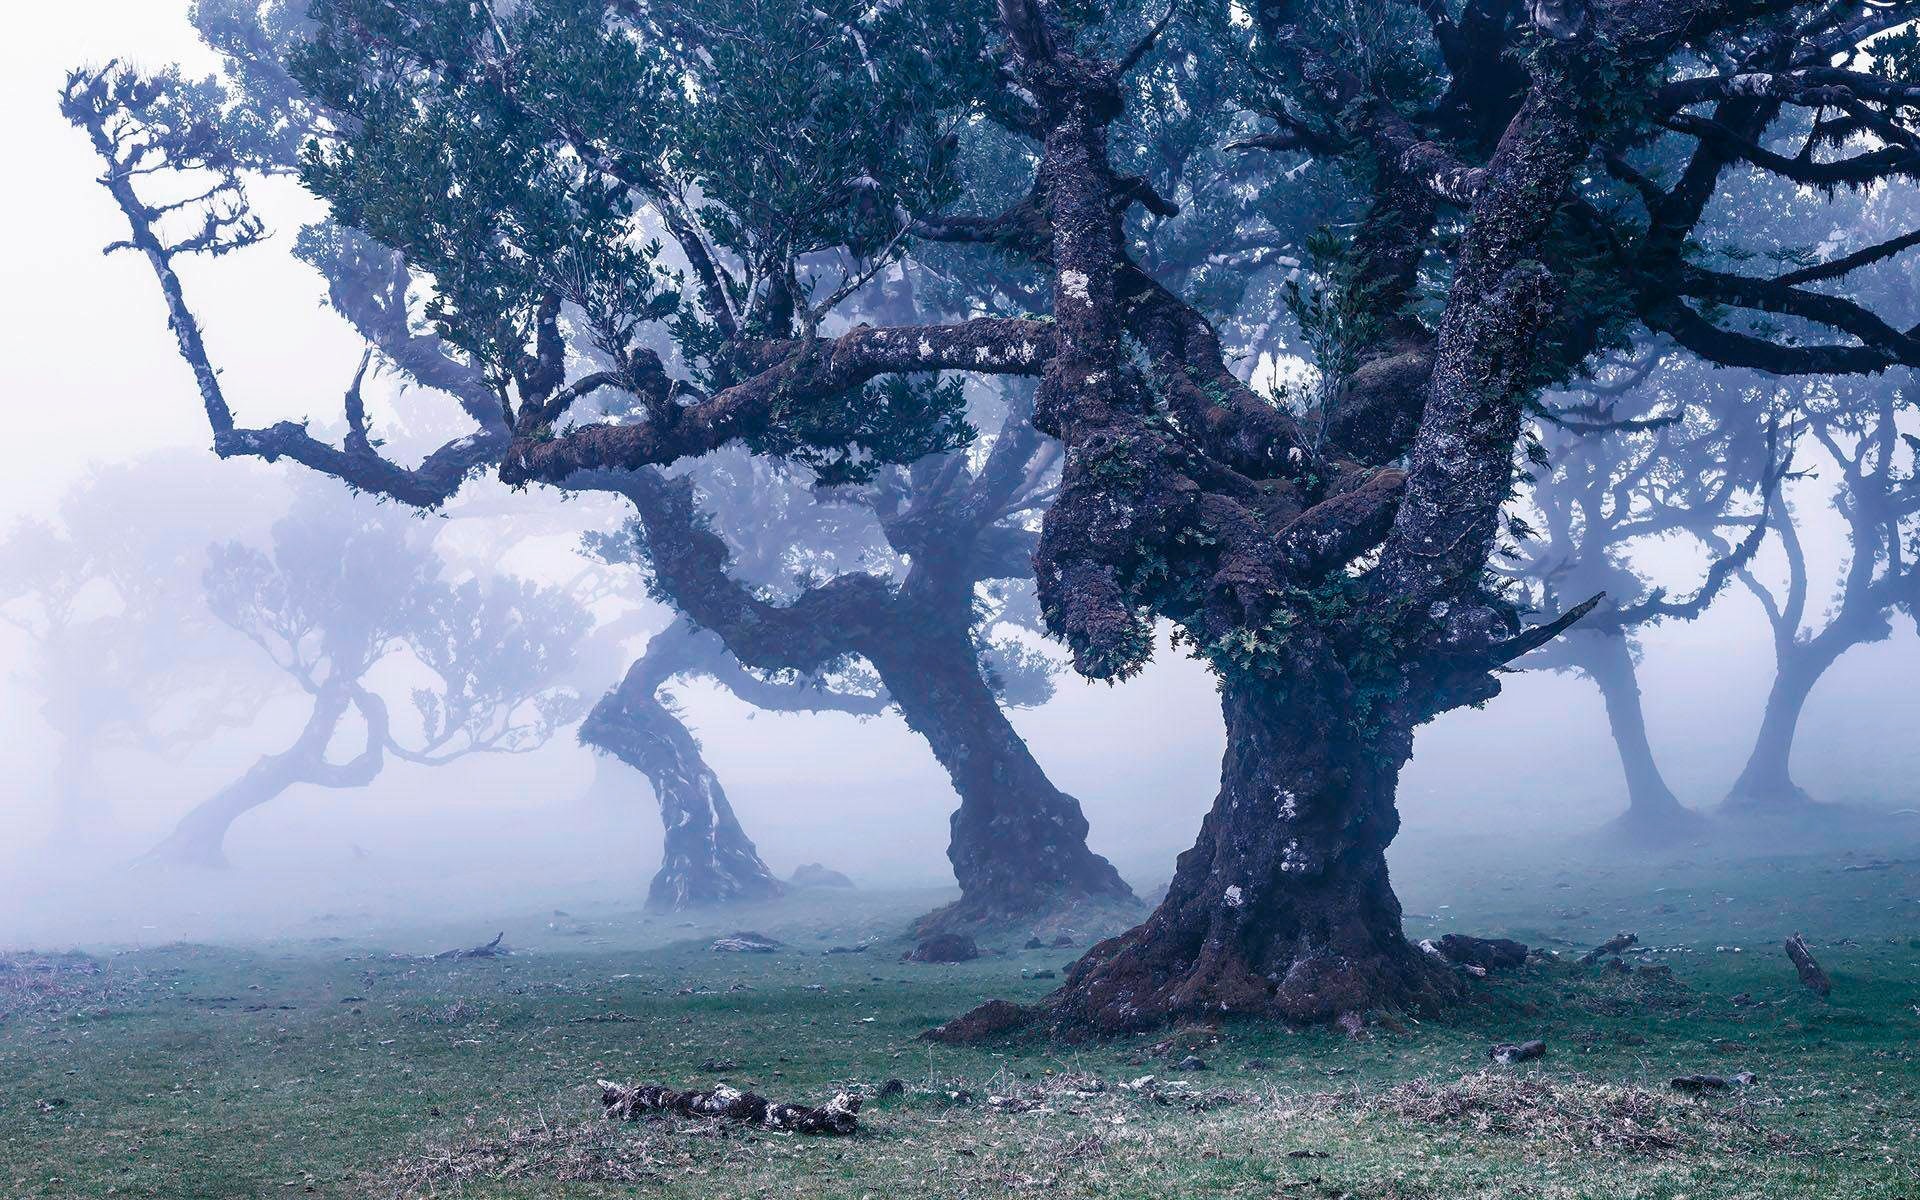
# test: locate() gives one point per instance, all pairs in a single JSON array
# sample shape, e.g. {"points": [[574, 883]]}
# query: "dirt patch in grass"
{"points": [[1576, 1113]]}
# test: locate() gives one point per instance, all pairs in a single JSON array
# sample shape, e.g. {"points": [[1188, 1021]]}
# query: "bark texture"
{"points": [[1019, 844], [707, 857], [1283, 907]]}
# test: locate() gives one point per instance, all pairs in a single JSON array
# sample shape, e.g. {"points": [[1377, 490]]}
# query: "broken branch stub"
{"points": [[1803, 962], [836, 1117]]}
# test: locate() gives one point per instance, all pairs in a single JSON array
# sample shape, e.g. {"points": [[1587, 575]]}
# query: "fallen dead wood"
{"points": [[836, 1117], [1803, 962]]}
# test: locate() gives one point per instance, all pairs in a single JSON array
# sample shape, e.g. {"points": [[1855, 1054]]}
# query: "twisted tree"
{"points": [[1525, 188], [342, 590]]}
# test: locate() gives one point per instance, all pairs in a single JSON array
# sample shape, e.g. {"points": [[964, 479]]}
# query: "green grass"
{"points": [[325, 1067]]}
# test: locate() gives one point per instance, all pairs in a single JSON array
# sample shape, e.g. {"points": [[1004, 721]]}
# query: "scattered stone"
{"points": [[836, 1117], [1613, 945], [1013, 1104], [1492, 954], [1306, 1154], [1192, 1062], [1741, 999], [1043, 974], [1256, 1064], [1509, 1053], [893, 1087], [745, 941], [814, 875], [1034, 943], [719, 1064], [860, 949], [1062, 941], [1803, 961], [51, 1104], [993, 1019], [944, 948]]}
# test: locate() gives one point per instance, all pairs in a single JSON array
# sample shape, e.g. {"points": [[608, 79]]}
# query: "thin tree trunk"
{"points": [[707, 857], [1766, 783], [1653, 813], [1283, 907], [1019, 844], [81, 814], [199, 839]]}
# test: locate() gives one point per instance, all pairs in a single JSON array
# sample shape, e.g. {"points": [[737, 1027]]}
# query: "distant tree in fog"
{"points": [[1870, 453], [346, 588], [1657, 453], [124, 652]]}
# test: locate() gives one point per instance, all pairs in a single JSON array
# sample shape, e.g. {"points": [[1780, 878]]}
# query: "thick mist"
{"points": [[1534, 771]]}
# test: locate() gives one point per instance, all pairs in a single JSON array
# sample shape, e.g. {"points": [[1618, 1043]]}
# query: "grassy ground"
{"points": [[326, 1067]]}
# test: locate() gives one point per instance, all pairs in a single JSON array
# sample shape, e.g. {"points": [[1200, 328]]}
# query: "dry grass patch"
{"points": [[1577, 1113]]}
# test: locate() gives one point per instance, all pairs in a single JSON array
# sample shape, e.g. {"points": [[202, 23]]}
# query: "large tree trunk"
{"points": [[1282, 908], [1019, 844], [707, 858], [1654, 815], [1766, 783]]}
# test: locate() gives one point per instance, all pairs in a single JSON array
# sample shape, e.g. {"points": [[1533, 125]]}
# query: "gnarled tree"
{"points": [[1525, 186]]}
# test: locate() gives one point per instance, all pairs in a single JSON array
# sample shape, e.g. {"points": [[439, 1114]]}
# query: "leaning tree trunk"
{"points": [[1019, 844], [1654, 815], [199, 839], [707, 858], [1766, 783], [1282, 908]]}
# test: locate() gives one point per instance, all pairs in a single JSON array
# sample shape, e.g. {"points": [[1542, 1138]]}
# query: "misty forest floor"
{"points": [[324, 1067]]}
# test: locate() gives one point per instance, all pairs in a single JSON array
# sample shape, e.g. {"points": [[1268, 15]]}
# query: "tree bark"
{"points": [[707, 857], [1654, 814], [1019, 844], [1283, 907]]}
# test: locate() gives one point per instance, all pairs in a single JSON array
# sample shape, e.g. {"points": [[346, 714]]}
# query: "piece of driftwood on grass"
{"points": [[837, 1116], [1803, 962]]}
